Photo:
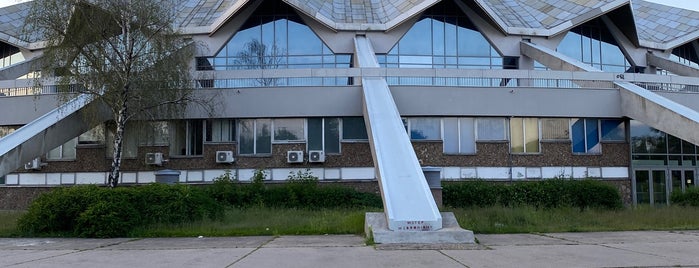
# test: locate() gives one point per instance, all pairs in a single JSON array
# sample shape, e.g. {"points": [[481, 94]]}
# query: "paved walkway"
{"points": [[613, 249]]}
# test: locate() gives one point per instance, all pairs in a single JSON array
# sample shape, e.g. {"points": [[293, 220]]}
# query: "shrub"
{"points": [[690, 197], [540, 194], [91, 211]]}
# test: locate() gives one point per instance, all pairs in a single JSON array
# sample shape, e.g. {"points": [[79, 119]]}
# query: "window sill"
{"points": [[185, 156], [255, 155]]}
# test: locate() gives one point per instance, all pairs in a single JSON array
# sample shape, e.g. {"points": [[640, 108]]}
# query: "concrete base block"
{"points": [[451, 233]]}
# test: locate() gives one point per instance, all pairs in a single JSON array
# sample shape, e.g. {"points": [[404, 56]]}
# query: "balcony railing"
{"points": [[403, 77]]}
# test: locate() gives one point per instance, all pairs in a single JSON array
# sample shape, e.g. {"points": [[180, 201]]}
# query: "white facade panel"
{"points": [[580, 172], [12, 179], [469, 173], [451, 173], [282, 174], [533, 173], [358, 173], [556, 172], [90, 178], [615, 172], [493, 173], [67, 178], [128, 177], [194, 175], [212, 174], [53, 178], [519, 173], [245, 174], [332, 174], [32, 179], [146, 177], [594, 172]]}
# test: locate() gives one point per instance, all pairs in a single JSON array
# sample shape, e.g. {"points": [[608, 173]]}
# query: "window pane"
{"points": [[247, 136], [332, 135], [578, 131], [154, 133], [451, 136], [263, 136], [353, 128], [69, 149], [92, 136], [425, 129], [468, 139], [288, 129], [531, 134], [220, 130], [592, 135], [55, 153], [315, 133], [613, 130], [491, 129], [516, 135], [178, 141], [5, 130], [554, 128]]}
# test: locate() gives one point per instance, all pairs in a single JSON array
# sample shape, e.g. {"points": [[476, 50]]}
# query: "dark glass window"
{"points": [[444, 38], [274, 37], [593, 44], [353, 128]]}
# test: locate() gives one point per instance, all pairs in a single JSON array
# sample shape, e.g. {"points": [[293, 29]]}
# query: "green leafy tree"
{"points": [[125, 54]]}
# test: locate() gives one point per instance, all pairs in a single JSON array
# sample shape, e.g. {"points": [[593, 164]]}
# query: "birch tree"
{"points": [[124, 53]]}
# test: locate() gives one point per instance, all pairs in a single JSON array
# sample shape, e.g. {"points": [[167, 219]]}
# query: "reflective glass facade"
{"points": [[593, 44], [444, 38]]}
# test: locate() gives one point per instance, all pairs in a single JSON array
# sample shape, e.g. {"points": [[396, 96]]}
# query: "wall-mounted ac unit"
{"points": [[35, 164], [316, 156], [294, 157], [155, 159], [224, 157]]}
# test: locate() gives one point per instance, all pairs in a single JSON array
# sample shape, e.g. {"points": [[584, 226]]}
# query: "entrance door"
{"points": [[651, 186], [682, 179]]}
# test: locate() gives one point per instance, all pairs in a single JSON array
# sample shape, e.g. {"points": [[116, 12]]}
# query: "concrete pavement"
{"points": [[605, 249]]}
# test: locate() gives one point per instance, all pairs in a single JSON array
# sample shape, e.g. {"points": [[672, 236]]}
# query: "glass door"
{"points": [[682, 179], [651, 186]]}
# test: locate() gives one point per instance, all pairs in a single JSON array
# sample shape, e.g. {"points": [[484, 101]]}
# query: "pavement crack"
{"points": [[251, 252], [74, 251], [453, 259]]}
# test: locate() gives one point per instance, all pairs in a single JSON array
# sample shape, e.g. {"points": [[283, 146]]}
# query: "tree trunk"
{"points": [[118, 144]]}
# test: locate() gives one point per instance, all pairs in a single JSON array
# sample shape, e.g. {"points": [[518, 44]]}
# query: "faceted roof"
{"points": [[658, 26], [664, 27], [547, 17]]}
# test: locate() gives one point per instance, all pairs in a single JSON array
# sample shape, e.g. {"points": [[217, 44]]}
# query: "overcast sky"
{"points": [[688, 4]]}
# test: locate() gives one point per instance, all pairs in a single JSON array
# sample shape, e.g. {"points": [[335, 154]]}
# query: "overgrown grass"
{"points": [[497, 219], [8, 222], [265, 221]]}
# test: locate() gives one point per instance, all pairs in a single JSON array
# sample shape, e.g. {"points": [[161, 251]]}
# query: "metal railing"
{"points": [[402, 77]]}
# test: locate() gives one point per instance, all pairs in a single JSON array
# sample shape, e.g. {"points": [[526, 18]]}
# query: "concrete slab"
{"points": [[623, 237], [58, 243], [193, 242], [144, 258], [344, 257], [684, 253], [451, 233], [555, 256], [317, 241], [15, 257], [520, 240]]}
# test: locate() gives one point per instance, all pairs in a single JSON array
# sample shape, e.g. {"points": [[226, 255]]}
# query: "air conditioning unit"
{"points": [[294, 157], [35, 164], [155, 159], [316, 156], [224, 157]]}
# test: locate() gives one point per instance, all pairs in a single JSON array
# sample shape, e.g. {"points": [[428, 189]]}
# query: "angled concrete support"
{"points": [[408, 202], [659, 112], [553, 59], [45, 133], [671, 66]]}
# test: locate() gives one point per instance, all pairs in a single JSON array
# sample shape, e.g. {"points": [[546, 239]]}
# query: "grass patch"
{"points": [[265, 221], [8, 222], [497, 220]]}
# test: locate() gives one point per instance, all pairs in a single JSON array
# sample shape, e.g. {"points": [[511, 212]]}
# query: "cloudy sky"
{"points": [[694, 5]]}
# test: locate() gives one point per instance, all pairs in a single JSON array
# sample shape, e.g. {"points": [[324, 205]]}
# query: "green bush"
{"points": [[91, 211], [540, 194], [690, 197], [301, 191]]}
